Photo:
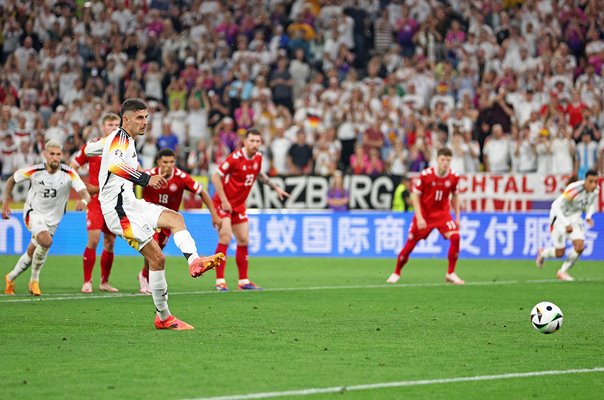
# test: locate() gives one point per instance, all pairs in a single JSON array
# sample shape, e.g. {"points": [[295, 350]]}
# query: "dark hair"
{"points": [[132, 105], [165, 153], [252, 131], [445, 151], [591, 172]]}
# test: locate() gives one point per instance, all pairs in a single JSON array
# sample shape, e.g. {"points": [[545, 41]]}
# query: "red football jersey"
{"points": [[434, 193], [238, 174], [170, 195], [94, 165]]}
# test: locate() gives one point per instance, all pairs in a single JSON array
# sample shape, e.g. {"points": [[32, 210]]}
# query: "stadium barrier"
{"points": [[293, 233]]}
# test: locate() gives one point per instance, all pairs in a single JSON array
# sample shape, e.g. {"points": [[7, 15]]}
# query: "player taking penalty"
{"points": [[136, 220], [233, 182], [170, 196], [95, 223], [433, 192]]}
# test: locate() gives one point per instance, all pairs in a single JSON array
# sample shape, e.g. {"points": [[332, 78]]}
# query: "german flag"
{"points": [[313, 120]]}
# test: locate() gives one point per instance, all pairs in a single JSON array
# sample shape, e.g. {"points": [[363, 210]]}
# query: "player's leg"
{"points": [[241, 232], [415, 235], [451, 233], [22, 265], [107, 262], [558, 247], [161, 238], [159, 288], [573, 255], [44, 239], [89, 257], [224, 238], [182, 238]]}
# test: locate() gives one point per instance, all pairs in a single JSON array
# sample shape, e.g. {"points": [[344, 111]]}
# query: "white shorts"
{"points": [[36, 223], [135, 221], [560, 236]]}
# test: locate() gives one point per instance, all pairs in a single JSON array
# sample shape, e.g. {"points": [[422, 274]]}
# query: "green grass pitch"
{"points": [[321, 323]]}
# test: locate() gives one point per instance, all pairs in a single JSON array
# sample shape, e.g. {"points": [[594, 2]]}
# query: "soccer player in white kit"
{"points": [[566, 223], [44, 209], [136, 220]]}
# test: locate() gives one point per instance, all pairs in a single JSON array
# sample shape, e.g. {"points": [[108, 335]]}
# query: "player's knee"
{"points": [[579, 247], [157, 262], [559, 253], [454, 238], [44, 240], [108, 242]]}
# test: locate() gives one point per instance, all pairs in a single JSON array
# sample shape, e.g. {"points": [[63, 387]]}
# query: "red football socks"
{"points": [[106, 264], [221, 248], [403, 256], [89, 259], [453, 252], [241, 258]]}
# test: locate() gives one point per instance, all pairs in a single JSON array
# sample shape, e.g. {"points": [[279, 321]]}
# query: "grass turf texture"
{"points": [[312, 335]]}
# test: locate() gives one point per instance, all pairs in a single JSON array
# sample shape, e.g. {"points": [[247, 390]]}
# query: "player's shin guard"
{"points": [[159, 292], [37, 262], [241, 259], [453, 252], [22, 264], [573, 256], [88, 261], [403, 256], [186, 244], [221, 248], [106, 264]]}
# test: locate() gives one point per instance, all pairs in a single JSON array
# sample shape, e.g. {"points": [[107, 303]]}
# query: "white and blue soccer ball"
{"points": [[546, 317]]}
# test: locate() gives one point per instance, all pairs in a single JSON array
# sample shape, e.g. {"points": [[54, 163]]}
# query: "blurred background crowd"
{"points": [[359, 86]]}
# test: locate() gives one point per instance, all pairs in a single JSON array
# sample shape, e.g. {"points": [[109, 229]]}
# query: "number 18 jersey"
{"points": [[238, 174]]}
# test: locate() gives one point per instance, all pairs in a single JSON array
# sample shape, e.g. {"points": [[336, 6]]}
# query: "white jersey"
{"points": [[49, 193], [118, 172], [575, 200]]}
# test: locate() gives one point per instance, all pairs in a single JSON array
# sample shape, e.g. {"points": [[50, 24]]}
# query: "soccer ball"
{"points": [[546, 317]]}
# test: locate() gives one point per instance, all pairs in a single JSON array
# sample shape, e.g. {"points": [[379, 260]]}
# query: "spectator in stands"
{"points": [[300, 155], [8, 153], [586, 155], [497, 151], [198, 160], [337, 196]]}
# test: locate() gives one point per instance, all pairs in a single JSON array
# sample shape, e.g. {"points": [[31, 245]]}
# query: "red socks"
{"points": [[403, 256], [453, 252], [106, 264], [241, 258], [221, 248], [89, 259]]}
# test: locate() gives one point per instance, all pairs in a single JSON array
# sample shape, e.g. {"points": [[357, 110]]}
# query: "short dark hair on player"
{"points": [[445, 151], [165, 153], [252, 131], [132, 105], [591, 172]]}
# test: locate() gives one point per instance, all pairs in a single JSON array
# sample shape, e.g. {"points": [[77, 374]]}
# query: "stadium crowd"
{"points": [[360, 86]]}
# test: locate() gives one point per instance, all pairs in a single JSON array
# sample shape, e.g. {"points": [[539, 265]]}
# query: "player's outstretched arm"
{"points": [[84, 200], [264, 179], [8, 195], [225, 204]]}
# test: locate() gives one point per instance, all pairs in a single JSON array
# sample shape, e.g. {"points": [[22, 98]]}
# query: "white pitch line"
{"points": [[25, 298], [386, 385]]}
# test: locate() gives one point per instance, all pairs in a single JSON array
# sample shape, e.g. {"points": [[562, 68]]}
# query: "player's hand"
{"points": [[226, 206], [80, 205], [421, 223], [281, 193], [216, 221], [590, 222], [6, 211], [157, 181], [569, 228]]}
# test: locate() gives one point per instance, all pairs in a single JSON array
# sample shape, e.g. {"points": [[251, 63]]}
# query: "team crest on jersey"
{"points": [[173, 187], [245, 167], [255, 166], [447, 183], [119, 153]]}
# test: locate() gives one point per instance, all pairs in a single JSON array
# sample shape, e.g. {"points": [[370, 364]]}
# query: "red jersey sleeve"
{"points": [[81, 158], [227, 165], [190, 184]]}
